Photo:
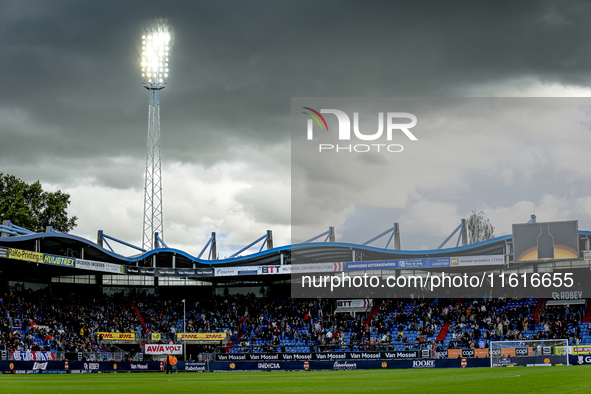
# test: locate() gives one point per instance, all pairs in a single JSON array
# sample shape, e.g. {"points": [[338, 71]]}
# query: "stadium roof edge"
{"points": [[251, 258]]}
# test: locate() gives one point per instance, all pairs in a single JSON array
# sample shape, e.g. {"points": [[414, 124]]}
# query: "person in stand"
{"points": [[168, 362]]}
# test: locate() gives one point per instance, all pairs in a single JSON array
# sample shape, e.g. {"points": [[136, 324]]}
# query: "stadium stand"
{"points": [[39, 321], [76, 289]]}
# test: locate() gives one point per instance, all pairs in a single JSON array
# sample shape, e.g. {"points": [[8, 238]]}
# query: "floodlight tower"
{"points": [[155, 50]]}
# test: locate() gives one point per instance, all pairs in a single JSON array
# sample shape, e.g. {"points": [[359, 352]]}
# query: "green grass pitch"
{"points": [[574, 379]]}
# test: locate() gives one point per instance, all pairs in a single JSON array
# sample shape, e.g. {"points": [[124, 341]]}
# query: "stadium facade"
{"points": [[55, 254], [67, 264]]}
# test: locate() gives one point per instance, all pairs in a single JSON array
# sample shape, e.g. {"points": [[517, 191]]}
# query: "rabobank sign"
{"points": [[195, 367]]}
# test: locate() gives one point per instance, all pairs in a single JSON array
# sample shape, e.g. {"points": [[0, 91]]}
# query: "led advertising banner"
{"points": [[546, 241]]}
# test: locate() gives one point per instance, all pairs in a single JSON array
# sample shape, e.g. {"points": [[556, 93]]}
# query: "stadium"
{"points": [[72, 306], [386, 298]]}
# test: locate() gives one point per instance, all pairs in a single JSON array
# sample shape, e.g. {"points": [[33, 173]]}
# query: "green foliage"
{"points": [[29, 206], [479, 228]]}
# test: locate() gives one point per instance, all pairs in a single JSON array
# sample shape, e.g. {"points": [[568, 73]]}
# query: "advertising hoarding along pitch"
{"points": [[32, 356], [322, 356], [581, 350]]}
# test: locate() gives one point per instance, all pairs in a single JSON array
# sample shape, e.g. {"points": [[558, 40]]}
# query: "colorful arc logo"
{"points": [[316, 118]]}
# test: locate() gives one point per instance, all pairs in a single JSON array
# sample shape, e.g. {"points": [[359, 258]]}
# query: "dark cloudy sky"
{"points": [[73, 113]]}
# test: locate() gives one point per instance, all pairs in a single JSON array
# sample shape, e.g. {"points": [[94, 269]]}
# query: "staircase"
{"points": [[442, 333], [139, 315], [372, 313], [445, 328], [241, 328], [536, 314]]}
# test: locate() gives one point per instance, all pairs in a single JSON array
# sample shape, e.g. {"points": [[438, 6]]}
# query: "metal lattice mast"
{"points": [[153, 221], [154, 71]]}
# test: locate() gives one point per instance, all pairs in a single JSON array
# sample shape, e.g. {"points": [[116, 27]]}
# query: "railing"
{"points": [[164, 337], [203, 357], [116, 356], [390, 346]]}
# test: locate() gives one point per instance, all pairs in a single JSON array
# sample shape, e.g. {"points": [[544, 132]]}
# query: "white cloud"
{"points": [[196, 202], [507, 157]]}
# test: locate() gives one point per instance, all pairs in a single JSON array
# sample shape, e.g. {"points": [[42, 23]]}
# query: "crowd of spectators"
{"points": [[474, 323], [37, 320]]}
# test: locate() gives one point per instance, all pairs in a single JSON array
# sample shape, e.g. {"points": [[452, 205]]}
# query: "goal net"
{"points": [[543, 352]]}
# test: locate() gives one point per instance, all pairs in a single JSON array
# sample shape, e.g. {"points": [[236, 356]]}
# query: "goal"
{"points": [[543, 352]]}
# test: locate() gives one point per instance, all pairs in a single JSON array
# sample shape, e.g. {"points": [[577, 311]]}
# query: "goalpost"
{"points": [[528, 353]]}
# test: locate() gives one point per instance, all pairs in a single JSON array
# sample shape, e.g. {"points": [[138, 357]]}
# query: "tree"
{"points": [[479, 228], [29, 206]]}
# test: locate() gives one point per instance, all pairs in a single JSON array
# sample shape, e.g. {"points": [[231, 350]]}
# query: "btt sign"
{"points": [[273, 269], [362, 303]]}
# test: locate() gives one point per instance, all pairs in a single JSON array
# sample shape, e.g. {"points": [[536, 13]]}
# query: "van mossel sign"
{"points": [[323, 356]]}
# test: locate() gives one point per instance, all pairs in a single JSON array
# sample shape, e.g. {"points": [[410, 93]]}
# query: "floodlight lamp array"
{"points": [[155, 57]]}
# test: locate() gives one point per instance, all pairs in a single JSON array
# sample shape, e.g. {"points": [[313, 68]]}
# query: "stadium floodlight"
{"points": [[155, 57], [155, 54]]}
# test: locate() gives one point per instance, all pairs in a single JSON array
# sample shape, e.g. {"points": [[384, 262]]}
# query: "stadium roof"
{"points": [[62, 244]]}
